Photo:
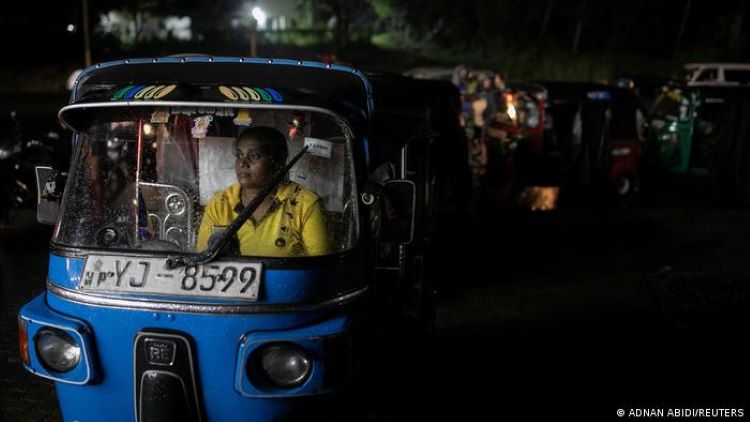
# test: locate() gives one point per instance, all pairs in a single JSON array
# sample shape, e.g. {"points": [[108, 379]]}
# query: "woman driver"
{"points": [[289, 221]]}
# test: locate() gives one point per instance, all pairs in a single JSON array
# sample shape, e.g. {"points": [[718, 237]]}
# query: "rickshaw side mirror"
{"points": [[398, 221], [49, 186]]}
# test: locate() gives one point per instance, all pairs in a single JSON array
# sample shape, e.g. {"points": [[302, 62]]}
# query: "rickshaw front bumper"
{"points": [[132, 362]]}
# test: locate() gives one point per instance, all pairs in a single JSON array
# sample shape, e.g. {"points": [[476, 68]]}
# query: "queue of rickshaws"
{"points": [[533, 145], [229, 235], [609, 146], [505, 125], [597, 136]]}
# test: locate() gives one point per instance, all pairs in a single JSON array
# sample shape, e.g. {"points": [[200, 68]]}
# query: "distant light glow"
{"points": [[260, 16], [121, 25], [71, 27], [512, 113], [539, 198], [179, 27]]}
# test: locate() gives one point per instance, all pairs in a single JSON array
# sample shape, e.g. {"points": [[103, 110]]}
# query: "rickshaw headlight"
{"points": [[57, 350], [532, 121], [284, 365], [669, 137], [532, 115]]}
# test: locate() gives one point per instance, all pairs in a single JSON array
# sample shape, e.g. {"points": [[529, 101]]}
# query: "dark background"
{"points": [[527, 38], [568, 315]]}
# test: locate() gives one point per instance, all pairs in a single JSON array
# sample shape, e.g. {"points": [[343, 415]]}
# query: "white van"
{"points": [[715, 74]]}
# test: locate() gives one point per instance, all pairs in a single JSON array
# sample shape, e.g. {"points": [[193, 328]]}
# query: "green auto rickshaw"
{"points": [[670, 129]]}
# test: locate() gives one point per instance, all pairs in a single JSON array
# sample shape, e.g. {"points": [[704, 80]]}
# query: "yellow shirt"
{"points": [[293, 226]]}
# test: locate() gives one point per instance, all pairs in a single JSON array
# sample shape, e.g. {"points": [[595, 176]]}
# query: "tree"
{"points": [[341, 13]]}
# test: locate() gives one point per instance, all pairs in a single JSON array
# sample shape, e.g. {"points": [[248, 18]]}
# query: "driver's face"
{"points": [[253, 166]]}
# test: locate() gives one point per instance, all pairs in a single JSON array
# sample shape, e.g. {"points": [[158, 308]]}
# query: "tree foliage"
{"points": [[613, 26], [713, 30]]}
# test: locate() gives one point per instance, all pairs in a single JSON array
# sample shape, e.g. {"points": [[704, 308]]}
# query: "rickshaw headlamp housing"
{"points": [[532, 121], [57, 350], [532, 114], [283, 365]]}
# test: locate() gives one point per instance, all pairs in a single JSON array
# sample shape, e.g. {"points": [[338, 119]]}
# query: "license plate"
{"points": [[150, 275]]}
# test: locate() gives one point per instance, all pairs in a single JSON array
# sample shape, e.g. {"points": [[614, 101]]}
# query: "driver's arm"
{"points": [[315, 231], [208, 221], [204, 232]]}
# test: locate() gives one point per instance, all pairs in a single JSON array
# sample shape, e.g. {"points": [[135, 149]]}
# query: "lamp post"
{"points": [[258, 18], [685, 13], [86, 36], [253, 37]]}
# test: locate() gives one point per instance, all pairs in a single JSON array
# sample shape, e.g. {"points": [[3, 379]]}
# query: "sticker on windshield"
{"points": [[143, 92], [201, 126], [297, 125], [228, 92], [319, 147], [160, 116], [298, 176], [243, 93], [243, 118]]}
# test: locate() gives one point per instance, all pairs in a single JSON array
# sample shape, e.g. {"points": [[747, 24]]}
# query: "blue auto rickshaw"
{"points": [[137, 324]]}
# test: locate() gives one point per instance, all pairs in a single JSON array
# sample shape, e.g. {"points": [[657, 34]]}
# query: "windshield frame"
{"points": [[69, 250]]}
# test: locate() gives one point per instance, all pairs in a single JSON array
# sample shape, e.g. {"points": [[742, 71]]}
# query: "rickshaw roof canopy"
{"points": [[559, 92], [389, 108], [342, 83]]}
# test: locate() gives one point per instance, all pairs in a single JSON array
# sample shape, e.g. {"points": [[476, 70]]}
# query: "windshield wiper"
{"points": [[214, 248]]}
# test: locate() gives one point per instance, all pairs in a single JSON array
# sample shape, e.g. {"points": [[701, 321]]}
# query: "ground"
{"points": [[589, 311], [23, 270]]}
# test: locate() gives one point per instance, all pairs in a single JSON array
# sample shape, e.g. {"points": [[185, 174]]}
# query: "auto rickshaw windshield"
{"points": [[167, 179], [667, 106]]}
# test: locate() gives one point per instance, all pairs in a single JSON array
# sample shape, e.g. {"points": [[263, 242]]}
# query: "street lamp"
{"points": [[260, 16]]}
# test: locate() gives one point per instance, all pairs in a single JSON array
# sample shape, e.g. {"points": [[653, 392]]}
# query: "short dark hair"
{"points": [[272, 143]]}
